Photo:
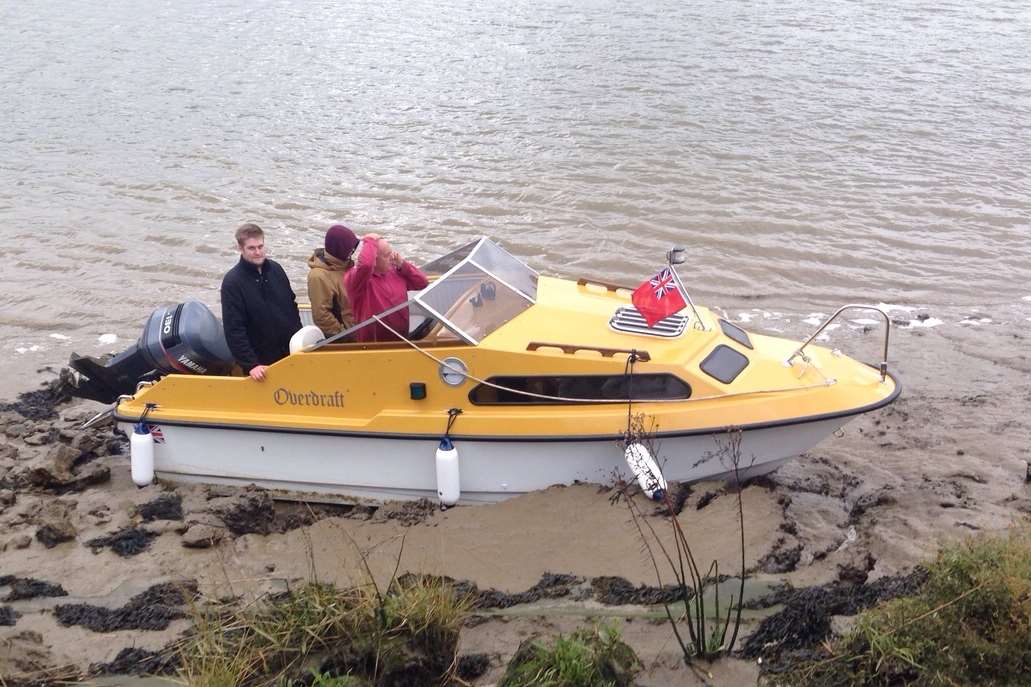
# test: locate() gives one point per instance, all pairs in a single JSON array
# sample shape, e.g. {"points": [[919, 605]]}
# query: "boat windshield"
{"points": [[481, 287], [485, 287]]}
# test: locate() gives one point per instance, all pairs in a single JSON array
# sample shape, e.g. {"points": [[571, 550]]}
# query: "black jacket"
{"points": [[259, 313]]}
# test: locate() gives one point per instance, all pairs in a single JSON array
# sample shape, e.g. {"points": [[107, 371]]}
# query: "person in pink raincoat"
{"points": [[381, 279]]}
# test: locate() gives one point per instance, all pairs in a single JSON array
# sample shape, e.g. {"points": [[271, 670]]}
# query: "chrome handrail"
{"points": [[851, 306]]}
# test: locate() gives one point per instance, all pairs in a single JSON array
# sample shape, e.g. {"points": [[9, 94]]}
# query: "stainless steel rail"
{"points": [[799, 353]]}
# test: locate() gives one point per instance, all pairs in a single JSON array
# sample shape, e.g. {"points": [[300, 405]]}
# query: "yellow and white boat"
{"points": [[542, 370]]}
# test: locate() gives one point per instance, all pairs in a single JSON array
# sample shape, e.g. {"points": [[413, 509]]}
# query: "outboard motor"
{"points": [[185, 338]]}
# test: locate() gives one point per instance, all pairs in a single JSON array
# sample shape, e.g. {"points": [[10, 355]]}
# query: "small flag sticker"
{"points": [[155, 431]]}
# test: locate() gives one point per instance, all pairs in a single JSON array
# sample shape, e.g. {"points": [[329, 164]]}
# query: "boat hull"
{"points": [[349, 467]]}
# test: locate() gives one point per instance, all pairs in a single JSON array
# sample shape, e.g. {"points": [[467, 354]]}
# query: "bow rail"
{"points": [[800, 351]]}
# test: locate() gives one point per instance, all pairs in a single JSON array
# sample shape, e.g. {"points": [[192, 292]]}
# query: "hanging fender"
{"points": [[644, 468], [141, 455]]}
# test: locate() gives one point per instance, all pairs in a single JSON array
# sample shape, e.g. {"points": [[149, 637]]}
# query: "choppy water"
{"points": [[807, 154]]}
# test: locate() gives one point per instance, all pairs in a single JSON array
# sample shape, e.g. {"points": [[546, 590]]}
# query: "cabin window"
{"points": [[608, 387], [736, 333], [724, 364]]}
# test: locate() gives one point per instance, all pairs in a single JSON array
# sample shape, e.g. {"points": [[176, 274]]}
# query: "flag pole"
{"points": [[674, 257]]}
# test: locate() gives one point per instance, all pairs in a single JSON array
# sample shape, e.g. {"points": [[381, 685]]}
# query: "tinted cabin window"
{"points": [[614, 387], [736, 333], [724, 364]]}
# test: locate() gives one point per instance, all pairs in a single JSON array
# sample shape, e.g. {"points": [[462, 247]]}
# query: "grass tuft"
{"points": [[318, 634], [586, 658], [969, 624]]}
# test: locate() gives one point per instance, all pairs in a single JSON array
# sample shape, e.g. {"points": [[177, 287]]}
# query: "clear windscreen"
{"points": [[509, 269], [473, 301]]}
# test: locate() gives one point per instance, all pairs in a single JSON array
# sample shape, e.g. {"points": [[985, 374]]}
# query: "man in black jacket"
{"points": [[259, 309]]}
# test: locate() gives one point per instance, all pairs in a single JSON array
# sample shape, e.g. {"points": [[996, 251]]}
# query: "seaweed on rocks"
{"points": [[550, 586], [164, 507], [39, 404], [153, 609], [805, 620], [8, 616], [679, 493], [473, 666], [126, 542], [617, 591], [409, 513], [781, 559], [707, 498], [136, 661], [29, 588], [290, 516], [249, 512]]}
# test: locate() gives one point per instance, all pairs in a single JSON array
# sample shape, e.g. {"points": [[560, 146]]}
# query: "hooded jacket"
{"points": [[371, 293], [330, 308], [259, 313]]}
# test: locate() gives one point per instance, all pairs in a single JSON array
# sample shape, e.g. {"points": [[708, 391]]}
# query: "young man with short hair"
{"points": [[259, 309]]}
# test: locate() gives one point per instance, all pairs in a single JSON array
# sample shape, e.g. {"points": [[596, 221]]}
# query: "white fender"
{"points": [[449, 488], [141, 455], [646, 470], [305, 337]]}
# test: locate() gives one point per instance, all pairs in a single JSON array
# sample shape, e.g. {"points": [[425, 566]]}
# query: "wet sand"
{"points": [[945, 461]]}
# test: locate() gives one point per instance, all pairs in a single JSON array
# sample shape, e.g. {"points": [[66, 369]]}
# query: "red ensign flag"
{"points": [[658, 298]]}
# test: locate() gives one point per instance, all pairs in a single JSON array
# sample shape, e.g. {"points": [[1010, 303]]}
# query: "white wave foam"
{"points": [[60, 337], [107, 338], [815, 321], [745, 317], [864, 321], [1026, 298], [975, 320], [889, 307], [929, 322]]}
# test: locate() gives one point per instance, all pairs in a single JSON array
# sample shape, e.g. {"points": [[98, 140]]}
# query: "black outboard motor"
{"points": [[185, 338]]}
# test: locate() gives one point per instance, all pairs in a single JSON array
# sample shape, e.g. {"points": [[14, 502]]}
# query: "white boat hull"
{"points": [[359, 468]]}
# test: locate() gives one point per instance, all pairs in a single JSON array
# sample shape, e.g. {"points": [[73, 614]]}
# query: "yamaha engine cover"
{"points": [[184, 339]]}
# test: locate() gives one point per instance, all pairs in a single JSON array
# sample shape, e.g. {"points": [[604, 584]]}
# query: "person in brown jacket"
{"points": [[330, 308]]}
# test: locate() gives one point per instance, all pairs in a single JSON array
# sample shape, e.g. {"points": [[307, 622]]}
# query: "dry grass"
{"points": [[407, 633], [970, 624]]}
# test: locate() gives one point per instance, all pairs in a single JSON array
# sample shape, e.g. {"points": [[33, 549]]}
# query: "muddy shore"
{"points": [[95, 574]]}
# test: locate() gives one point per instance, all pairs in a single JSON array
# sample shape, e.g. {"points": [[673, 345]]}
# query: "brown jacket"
{"points": [[330, 308]]}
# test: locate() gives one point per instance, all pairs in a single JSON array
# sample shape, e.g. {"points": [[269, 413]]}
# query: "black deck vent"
{"points": [[627, 319]]}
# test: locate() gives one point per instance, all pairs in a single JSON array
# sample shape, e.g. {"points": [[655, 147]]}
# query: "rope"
{"points": [[628, 372], [452, 415], [563, 399]]}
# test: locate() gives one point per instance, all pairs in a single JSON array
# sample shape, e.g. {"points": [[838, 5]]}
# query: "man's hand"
{"points": [[258, 372], [396, 260], [374, 237]]}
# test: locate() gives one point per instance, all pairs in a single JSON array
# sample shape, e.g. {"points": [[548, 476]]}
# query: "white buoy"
{"points": [[141, 455], [305, 337], [646, 470], [449, 488]]}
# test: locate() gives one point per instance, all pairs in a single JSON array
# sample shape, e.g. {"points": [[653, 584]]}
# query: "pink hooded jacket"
{"points": [[371, 293]]}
